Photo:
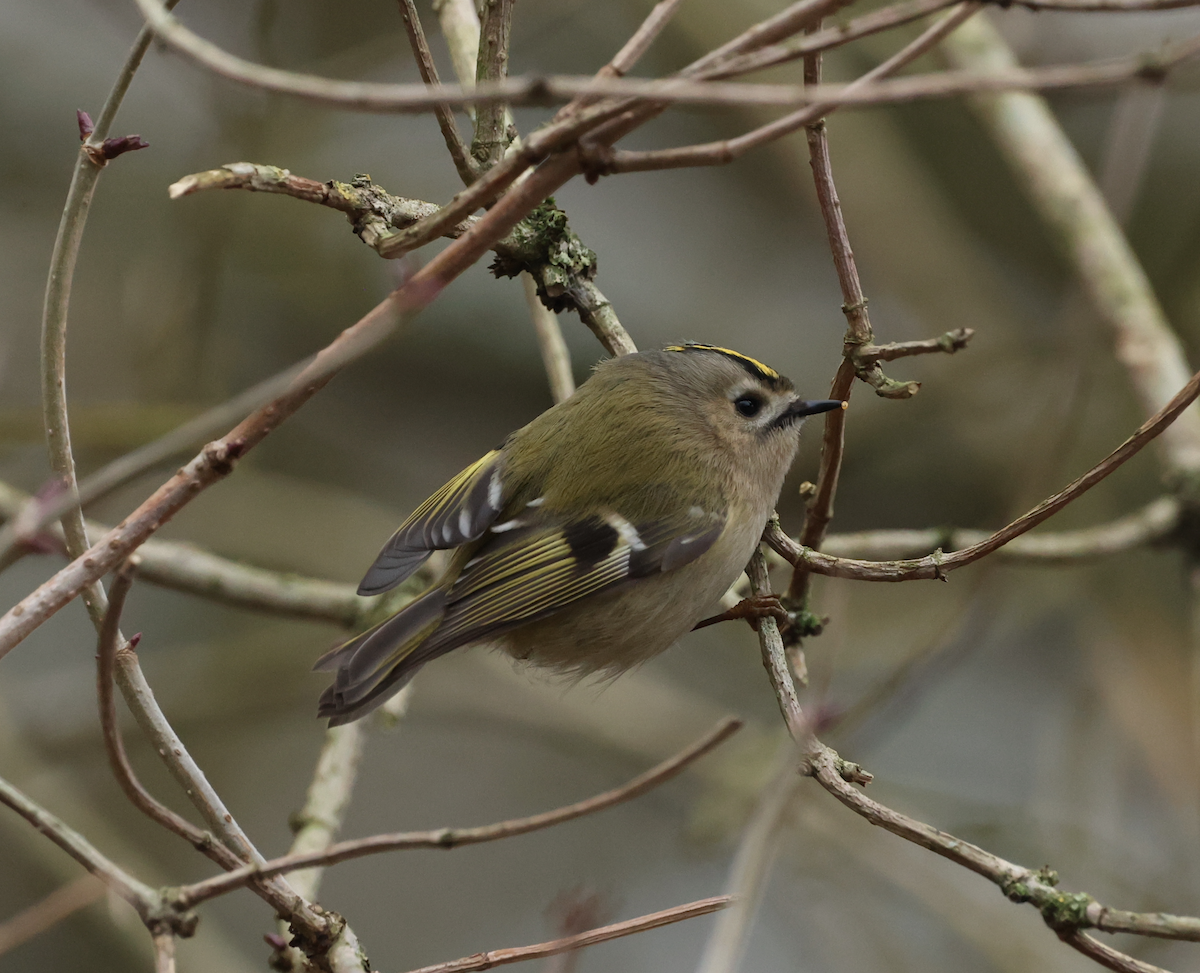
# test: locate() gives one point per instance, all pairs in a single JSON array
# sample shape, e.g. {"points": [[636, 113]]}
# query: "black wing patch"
{"points": [[459, 512], [539, 570]]}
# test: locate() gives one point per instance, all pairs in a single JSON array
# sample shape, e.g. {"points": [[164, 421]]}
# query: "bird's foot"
{"points": [[752, 610]]}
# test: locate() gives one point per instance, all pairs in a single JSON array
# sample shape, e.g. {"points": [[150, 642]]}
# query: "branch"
{"points": [[727, 150], [540, 90], [183, 567], [1061, 188], [466, 167], [537, 246], [817, 41], [937, 565], [819, 509], [447, 838], [316, 824], [1155, 522], [1066, 913], [519, 954], [133, 464], [164, 952], [58, 299], [111, 643], [145, 900], [948, 343], [555, 355], [460, 27], [491, 118]]}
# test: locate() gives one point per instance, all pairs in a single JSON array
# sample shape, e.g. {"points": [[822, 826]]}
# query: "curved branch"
{"points": [[937, 564], [366, 96], [1155, 522], [1064, 912], [447, 838], [111, 643], [142, 897]]}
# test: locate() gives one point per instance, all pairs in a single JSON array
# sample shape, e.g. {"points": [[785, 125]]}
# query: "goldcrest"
{"points": [[598, 534]]}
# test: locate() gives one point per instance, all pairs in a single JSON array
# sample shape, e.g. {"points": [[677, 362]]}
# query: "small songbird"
{"points": [[595, 536]]}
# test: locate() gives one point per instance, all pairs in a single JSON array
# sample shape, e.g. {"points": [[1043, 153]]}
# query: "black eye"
{"points": [[748, 405]]}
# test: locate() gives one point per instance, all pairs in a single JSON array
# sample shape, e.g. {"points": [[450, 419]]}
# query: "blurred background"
{"points": [[1040, 712]]}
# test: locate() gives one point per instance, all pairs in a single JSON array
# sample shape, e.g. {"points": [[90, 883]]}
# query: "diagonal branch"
{"points": [[110, 644], [446, 838], [727, 150], [519, 954], [466, 167], [142, 897], [937, 565]]}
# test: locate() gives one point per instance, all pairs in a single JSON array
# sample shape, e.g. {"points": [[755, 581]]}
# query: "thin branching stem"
{"points": [[446, 838]]}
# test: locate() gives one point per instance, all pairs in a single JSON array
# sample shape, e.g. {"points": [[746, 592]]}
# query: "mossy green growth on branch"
{"points": [[544, 245]]}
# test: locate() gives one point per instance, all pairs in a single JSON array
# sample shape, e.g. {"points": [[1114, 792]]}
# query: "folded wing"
{"points": [[459, 512]]}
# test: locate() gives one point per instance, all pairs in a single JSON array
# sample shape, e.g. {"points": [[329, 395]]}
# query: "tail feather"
{"points": [[373, 665]]}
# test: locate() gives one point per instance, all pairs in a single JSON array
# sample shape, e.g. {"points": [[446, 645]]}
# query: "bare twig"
{"points": [[1066, 913], [519, 954], [791, 20], [58, 300], [1107, 956], [1151, 524], [459, 153], [120, 471], [937, 565], [819, 509], [727, 150], [110, 644], [365, 96], [817, 41], [491, 118], [555, 356], [144, 899], [948, 343], [639, 42], [164, 952], [447, 838], [774, 654], [62, 902]]}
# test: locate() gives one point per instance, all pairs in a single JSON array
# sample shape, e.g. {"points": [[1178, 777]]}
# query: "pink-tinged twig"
{"points": [[447, 838], [937, 565], [519, 954]]}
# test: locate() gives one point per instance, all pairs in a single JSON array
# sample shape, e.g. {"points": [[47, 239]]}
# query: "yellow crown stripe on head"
{"points": [[764, 370]]}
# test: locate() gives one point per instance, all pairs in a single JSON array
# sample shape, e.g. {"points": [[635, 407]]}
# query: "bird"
{"points": [[594, 537]]}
